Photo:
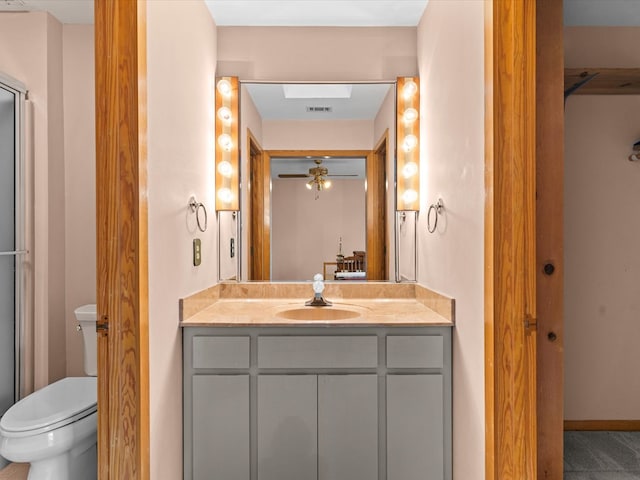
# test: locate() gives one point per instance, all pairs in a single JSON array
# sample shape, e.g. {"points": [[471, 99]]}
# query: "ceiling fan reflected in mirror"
{"points": [[319, 176]]}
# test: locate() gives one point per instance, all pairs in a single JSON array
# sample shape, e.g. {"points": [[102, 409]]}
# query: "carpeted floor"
{"points": [[14, 471], [601, 455]]}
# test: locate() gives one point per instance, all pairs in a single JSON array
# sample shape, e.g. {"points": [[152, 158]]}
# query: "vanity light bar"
{"points": [[227, 159], [408, 144]]}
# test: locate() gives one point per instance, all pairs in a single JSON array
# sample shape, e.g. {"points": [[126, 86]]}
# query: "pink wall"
{"points": [[385, 121], [305, 231], [250, 120], [80, 212], [451, 261], [317, 135], [602, 232], [181, 67], [31, 51], [316, 53]]}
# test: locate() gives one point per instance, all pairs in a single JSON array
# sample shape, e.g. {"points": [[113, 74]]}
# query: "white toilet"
{"points": [[55, 428]]}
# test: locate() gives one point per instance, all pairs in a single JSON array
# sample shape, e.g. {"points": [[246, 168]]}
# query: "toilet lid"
{"points": [[53, 406]]}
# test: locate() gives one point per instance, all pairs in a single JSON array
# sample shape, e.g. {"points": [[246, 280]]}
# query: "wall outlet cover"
{"points": [[197, 252]]}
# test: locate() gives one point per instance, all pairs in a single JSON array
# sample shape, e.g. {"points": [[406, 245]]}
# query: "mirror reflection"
{"points": [[317, 181], [318, 217]]}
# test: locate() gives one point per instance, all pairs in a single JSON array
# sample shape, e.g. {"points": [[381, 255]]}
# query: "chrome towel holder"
{"points": [[437, 209], [196, 207]]}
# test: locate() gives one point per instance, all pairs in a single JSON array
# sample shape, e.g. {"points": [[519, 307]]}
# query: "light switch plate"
{"points": [[197, 252]]}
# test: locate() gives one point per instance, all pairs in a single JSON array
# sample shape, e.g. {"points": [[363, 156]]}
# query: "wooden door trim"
{"points": [[510, 127], [377, 233], [602, 425], [259, 228], [377, 260], [549, 237], [122, 255]]}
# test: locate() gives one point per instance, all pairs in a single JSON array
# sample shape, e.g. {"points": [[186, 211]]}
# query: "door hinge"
{"points": [[530, 323], [103, 324]]}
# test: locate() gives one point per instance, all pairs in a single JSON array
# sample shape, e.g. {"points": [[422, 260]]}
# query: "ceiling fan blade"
{"points": [[293, 175], [345, 175]]}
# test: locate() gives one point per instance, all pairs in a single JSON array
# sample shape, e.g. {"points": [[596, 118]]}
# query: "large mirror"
{"points": [[317, 183]]}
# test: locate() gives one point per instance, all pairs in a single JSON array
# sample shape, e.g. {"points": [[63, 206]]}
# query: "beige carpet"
{"points": [[15, 471]]}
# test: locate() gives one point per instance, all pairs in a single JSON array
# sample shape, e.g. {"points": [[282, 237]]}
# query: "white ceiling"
{"points": [[66, 11], [336, 12], [304, 13], [362, 104], [354, 167]]}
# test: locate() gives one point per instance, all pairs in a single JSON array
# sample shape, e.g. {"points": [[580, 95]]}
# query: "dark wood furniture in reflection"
{"points": [[353, 267]]}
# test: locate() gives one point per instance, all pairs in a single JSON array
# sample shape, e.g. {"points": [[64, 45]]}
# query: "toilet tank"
{"points": [[87, 316]]}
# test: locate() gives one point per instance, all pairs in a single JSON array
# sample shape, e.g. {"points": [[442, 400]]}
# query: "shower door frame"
{"points": [[20, 231]]}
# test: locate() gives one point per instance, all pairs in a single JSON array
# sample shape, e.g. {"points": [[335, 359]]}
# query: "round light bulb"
{"points": [[327, 184], [410, 169], [409, 90], [224, 87], [309, 185], [225, 195], [225, 169], [225, 142], [410, 142], [410, 115], [224, 114], [409, 196]]}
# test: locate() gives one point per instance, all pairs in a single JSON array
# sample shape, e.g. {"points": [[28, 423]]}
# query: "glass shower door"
{"points": [[8, 149]]}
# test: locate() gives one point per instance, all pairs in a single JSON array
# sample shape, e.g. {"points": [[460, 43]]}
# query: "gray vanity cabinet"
{"points": [[343, 403], [287, 427], [221, 405], [317, 427], [414, 432], [347, 427]]}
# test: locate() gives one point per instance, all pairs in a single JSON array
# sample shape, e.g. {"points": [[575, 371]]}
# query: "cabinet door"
{"points": [[287, 427], [347, 427], [415, 427], [220, 427]]}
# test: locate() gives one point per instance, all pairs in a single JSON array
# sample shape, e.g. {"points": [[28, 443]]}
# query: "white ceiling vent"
{"points": [[319, 109]]}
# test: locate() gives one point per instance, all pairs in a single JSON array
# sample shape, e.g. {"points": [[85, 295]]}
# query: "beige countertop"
{"points": [[283, 304]]}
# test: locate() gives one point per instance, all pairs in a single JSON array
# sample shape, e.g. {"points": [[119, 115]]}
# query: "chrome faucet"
{"points": [[318, 286]]}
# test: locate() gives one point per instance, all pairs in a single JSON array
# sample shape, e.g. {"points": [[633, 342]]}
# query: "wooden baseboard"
{"points": [[595, 425]]}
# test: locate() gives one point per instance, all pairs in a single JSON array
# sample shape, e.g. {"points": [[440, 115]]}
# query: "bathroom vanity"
{"points": [[360, 390]]}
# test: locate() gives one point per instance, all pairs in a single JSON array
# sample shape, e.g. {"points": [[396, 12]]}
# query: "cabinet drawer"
{"points": [[221, 352], [318, 352], [415, 351]]}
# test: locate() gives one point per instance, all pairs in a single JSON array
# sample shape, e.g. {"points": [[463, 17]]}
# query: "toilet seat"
{"points": [[52, 407]]}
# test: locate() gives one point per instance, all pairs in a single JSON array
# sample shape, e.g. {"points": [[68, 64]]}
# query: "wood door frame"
{"points": [[372, 222], [510, 302], [523, 234], [122, 246], [259, 235], [549, 237], [377, 237]]}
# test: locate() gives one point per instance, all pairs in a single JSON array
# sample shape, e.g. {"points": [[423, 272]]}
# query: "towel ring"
{"points": [[437, 209], [195, 207]]}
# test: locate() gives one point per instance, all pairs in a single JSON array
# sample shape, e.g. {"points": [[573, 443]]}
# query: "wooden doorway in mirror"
{"points": [[259, 253], [259, 213]]}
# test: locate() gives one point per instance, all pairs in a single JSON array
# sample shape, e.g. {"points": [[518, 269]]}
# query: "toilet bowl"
{"points": [[55, 428]]}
